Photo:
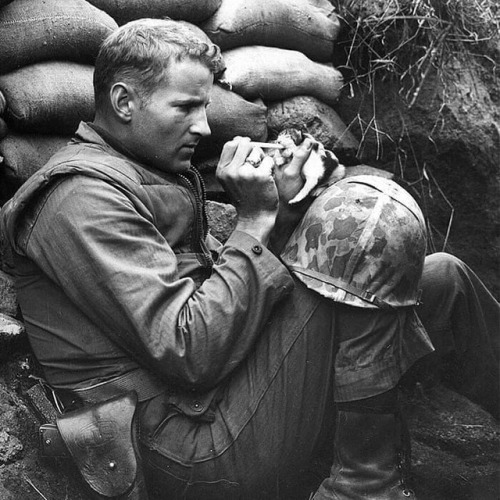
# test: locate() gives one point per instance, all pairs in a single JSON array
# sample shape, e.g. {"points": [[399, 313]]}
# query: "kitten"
{"points": [[320, 170]]}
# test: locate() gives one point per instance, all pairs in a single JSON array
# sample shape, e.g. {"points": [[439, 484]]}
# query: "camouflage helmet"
{"points": [[362, 242]]}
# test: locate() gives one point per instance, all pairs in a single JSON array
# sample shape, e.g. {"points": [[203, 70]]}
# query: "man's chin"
{"points": [[182, 165], [176, 166]]}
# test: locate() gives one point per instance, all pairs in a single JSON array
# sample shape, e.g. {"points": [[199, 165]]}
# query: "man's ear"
{"points": [[123, 101]]}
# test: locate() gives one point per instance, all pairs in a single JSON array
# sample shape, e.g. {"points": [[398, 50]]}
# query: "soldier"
{"points": [[235, 361]]}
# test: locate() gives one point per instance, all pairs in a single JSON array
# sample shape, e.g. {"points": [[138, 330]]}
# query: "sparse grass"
{"points": [[406, 39]]}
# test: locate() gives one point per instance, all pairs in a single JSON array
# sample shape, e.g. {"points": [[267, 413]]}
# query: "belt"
{"points": [[145, 385]]}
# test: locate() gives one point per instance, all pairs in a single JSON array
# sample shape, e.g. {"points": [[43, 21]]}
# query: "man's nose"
{"points": [[200, 125]]}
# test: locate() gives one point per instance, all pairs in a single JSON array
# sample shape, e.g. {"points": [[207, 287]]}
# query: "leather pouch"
{"points": [[100, 439], [51, 442]]}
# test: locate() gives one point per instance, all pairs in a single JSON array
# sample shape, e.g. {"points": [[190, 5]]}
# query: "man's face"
{"points": [[166, 129]]}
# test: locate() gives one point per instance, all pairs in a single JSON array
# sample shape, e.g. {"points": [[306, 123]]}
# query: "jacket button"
{"points": [[257, 249], [196, 406]]}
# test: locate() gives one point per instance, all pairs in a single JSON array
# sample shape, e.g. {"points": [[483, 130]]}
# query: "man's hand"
{"points": [[288, 176], [252, 188], [289, 182]]}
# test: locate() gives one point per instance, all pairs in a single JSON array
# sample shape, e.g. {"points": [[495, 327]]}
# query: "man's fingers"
{"points": [[235, 150], [242, 150], [300, 156], [255, 156], [267, 165]]}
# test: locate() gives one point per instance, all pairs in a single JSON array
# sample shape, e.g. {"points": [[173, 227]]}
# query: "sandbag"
{"points": [[229, 115], [199, 33], [194, 11], [34, 30], [324, 6], [24, 154], [4, 128], [274, 74], [288, 24], [320, 120], [48, 97]]}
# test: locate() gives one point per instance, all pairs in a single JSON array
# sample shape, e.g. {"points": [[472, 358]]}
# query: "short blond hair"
{"points": [[142, 51]]}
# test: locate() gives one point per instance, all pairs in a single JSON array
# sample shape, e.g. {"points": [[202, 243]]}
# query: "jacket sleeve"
{"points": [[112, 262]]}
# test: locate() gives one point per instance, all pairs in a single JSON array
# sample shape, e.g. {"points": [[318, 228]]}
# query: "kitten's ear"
{"points": [[330, 160], [296, 135], [317, 146]]}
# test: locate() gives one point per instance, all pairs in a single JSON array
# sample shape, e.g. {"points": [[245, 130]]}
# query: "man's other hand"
{"points": [[251, 187]]}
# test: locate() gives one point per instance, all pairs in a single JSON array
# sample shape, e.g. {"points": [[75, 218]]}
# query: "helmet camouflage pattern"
{"points": [[362, 242]]}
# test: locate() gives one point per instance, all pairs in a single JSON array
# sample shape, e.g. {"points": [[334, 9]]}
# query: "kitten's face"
{"points": [[289, 136], [318, 167]]}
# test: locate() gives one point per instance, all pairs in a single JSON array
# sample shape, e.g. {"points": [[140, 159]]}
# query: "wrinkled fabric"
{"points": [[111, 267], [276, 412], [135, 282], [462, 319]]}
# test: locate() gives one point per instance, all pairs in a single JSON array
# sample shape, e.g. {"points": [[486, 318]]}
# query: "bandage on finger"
{"points": [[255, 157]]}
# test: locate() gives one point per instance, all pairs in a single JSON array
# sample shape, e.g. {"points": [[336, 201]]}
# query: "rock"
{"points": [[455, 446], [8, 297], [10, 428], [10, 447], [12, 335], [221, 219], [25, 474], [447, 147], [10, 328]]}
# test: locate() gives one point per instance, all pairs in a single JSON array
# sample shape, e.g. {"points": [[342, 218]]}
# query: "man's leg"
{"points": [[371, 446], [277, 408], [463, 321], [270, 416]]}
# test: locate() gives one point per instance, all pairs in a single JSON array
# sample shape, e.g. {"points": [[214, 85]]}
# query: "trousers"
{"points": [[276, 412], [462, 318]]}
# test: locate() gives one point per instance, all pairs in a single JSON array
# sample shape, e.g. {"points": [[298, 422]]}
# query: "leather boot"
{"points": [[371, 459]]}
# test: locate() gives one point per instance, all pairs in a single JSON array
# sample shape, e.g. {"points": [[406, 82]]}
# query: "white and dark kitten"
{"points": [[320, 170]]}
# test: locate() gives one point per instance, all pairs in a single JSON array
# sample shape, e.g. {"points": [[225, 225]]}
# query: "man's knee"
{"points": [[444, 265], [443, 274], [441, 287]]}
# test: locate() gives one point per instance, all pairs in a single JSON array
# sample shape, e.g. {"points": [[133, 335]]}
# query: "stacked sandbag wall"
{"points": [[278, 73], [278, 51], [47, 54]]}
